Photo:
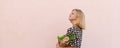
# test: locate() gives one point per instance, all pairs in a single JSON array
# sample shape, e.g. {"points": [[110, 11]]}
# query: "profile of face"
{"points": [[73, 15]]}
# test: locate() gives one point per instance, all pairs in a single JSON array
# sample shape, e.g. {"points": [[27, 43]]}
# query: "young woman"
{"points": [[77, 19]]}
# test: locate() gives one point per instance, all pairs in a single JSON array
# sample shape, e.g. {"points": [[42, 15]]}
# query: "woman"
{"points": [[78, 21]]}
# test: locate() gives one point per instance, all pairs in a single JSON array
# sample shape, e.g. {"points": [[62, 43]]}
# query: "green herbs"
{"points": [[71, 36], [61, 37], [64, 39]]}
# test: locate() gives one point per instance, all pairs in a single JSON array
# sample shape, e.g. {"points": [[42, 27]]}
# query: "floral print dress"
{"points": [[77, 36]]}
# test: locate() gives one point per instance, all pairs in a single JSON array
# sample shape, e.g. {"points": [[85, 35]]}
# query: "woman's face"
{"points": [[73, 15]]}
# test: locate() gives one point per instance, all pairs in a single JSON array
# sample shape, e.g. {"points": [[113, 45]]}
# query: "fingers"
{"points": [[57, 45]]}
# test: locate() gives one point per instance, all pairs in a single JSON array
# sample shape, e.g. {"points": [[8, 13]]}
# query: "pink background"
{"points": [[37, 23]]}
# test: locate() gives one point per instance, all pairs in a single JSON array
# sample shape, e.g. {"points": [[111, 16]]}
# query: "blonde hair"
{"points": [[80, 18]]}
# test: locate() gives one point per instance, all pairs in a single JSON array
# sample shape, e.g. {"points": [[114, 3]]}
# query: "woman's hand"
{"points": [[57, 46], [66, 39], [63, 41]]}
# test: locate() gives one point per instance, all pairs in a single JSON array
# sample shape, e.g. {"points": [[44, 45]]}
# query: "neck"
{"points": [[74, 23]]}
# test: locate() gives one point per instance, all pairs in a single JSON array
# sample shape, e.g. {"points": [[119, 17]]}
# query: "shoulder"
{"points": [[70, 28], [75, 29]]}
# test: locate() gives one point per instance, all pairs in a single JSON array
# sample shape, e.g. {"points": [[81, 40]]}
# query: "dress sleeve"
{"points": [[68, 31], [70, 43]]}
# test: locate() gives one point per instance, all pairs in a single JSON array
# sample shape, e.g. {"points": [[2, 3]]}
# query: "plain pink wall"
{"points": [[116, 24], [37, 23]]}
